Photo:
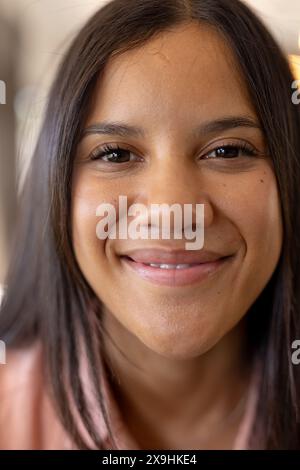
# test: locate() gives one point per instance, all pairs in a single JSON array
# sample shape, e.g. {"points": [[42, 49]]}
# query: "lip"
{"points": [[202, 265]]}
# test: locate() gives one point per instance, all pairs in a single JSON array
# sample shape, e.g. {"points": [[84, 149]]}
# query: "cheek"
{"points": [[84, 204], [253, 206], [87, 194], [259, 215]]}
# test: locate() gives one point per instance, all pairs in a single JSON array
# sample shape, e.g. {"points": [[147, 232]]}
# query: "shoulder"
{"points": [[27, 417]]}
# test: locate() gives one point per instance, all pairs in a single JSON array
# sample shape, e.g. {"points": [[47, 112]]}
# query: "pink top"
{"points": [[28, 419]]}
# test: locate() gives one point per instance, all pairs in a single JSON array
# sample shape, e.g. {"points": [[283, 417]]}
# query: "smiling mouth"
{"points": [[174, 274]]}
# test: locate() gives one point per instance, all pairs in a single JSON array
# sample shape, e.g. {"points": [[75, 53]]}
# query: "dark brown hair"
{"points": [[48, 297]]}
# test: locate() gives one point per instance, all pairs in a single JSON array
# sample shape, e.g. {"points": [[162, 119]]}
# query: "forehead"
{"points": [[176, 77]]}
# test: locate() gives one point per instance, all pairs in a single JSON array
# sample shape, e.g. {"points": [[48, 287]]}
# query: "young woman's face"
{"points": [[183, 90]]}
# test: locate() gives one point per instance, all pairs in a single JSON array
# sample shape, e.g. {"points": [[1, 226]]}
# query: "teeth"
{"points": [[170, 266]]}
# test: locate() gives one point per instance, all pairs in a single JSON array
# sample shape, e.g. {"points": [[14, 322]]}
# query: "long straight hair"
{"points": [[48, 298]]}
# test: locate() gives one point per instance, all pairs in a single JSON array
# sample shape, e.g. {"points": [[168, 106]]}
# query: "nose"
{"points": [[177, 180]]}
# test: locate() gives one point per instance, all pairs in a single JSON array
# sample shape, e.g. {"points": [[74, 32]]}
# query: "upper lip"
{"points": [[159, 256]]}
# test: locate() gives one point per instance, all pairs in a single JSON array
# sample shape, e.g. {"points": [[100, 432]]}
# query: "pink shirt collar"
{"points": [[28, 419]]}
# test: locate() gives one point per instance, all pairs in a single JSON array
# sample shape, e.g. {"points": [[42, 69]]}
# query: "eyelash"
{"points": [[107, 149], [243, 147]]}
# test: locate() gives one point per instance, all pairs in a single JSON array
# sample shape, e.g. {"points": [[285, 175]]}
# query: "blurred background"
{"points": [[33, 37]]}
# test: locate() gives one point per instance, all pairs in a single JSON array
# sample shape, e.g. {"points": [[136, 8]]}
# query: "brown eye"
{"points": [[111, 154], [231, 151]]}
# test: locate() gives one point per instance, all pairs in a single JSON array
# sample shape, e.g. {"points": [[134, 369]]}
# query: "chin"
{"points": [[179, 346]]}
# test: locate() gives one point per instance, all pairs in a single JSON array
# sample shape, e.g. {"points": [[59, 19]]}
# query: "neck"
{"points": [[187, 394]]}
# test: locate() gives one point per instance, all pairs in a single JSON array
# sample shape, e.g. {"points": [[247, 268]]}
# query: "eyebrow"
{"points": [[219, 125]]}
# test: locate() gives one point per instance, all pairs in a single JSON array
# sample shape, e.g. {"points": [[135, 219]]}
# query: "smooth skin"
{"points": [[179, 351]]}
